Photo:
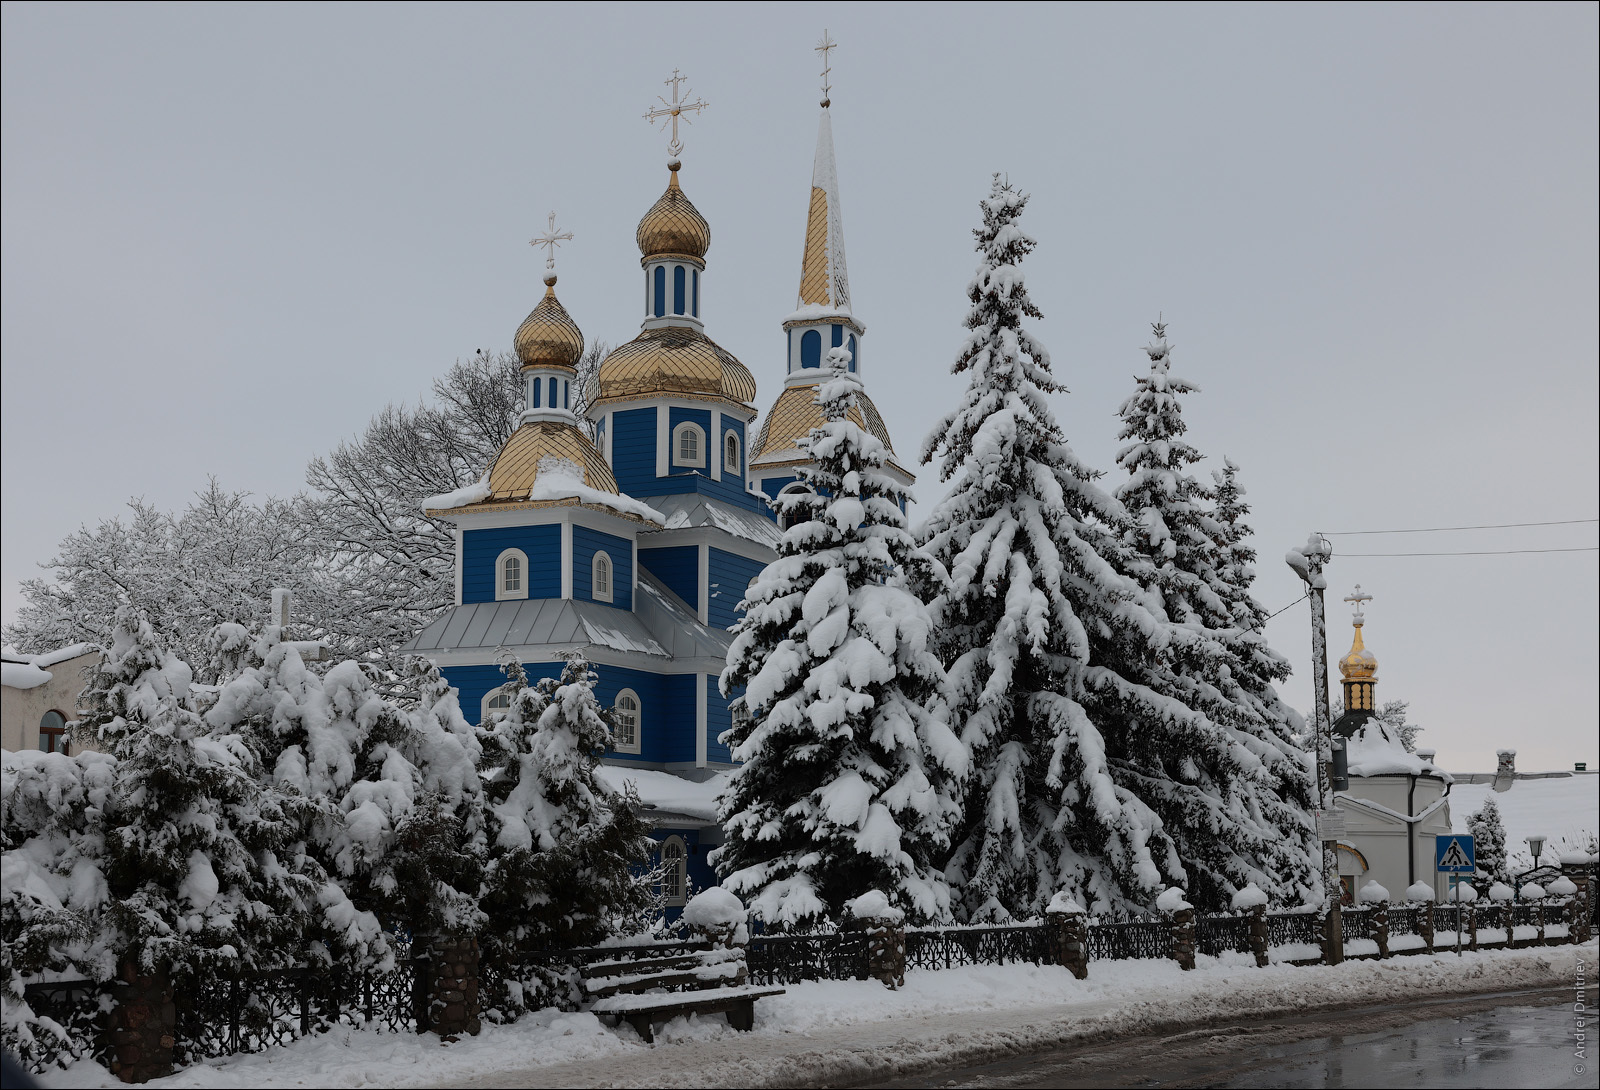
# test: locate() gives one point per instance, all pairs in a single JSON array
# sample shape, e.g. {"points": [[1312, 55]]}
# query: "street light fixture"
{"points": [[1536, 845]]}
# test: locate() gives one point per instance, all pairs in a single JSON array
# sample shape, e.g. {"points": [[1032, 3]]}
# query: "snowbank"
{"points": [[845, 1033]]}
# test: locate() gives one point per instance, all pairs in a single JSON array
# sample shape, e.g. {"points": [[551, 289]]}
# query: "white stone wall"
{"points": [[1381, 837], [21, 709]]}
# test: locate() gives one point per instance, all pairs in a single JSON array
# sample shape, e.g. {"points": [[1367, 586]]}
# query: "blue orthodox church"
{"points": [[636, 548]]}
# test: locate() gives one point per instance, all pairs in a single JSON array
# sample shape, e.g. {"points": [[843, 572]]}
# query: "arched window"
{"points": [[730, 452], [552, 391], [784, 520], [680, 290], [600, 578], [536, 393], [511, 575], [627, 722], [689, 446], [674, 871], [851, 345], [694, 292], [53, 732], [811, 349], [661, 291], [497, 700]]}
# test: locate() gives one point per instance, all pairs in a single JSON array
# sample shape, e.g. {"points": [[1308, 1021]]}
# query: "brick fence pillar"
{"points": [[1258, 935], [1472, 928], [143, 1024], [452, 989], [1333, 937], [1380, 927], [1183, 938], [1425, 924], [1069, 941]]}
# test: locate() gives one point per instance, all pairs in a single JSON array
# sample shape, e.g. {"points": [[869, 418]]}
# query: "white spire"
{"points": [[824, 281]]}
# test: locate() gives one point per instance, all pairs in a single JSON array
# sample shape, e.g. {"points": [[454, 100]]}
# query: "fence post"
{"points": [[1472, 928], [1069, 934], [452, 986], [143, 1025], [1425, 924], [1581, 876], [1258, 935], [1540, 940], [1380, 928], [1183, 929], [1333, 936], [884, 928]]}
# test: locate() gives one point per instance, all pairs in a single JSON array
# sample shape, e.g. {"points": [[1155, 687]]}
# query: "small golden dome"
{"points": [[1360, 664], [793, 416], [674, 227], [517, 466], [549, 337], [673, 360]]}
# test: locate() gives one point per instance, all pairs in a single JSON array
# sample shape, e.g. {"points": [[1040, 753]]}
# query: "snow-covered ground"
{"points": [[851, 1031], [1566, 809]]}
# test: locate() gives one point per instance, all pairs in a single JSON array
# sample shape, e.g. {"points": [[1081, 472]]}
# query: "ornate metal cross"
{"points": [[550, 240], [674, 110], [824, 46], [1358, 597]]}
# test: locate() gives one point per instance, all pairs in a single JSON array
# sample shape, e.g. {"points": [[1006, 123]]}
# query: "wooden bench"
{"points": [[647, 991]]}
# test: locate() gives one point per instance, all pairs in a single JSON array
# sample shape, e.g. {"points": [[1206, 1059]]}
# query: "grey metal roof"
{"points": [[671, 621], [696, 510], [536, 622]]}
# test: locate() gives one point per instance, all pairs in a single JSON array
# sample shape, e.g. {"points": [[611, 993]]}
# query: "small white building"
{"points": [[40, 695], [1396, 802]]}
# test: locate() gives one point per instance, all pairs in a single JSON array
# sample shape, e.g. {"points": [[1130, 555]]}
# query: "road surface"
{"points": [[1501, 1040]]}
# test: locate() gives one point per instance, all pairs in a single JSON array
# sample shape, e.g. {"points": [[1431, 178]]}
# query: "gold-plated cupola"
{"points": [[1359, 667]]}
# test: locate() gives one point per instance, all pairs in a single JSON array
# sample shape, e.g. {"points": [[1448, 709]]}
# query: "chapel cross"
{"points": [[550, 240], [674, 110], [1357, 598], [825, 46]]}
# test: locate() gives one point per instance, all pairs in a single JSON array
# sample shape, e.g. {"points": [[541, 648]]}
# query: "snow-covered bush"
{"points": [[561, 847], [848, 765]]}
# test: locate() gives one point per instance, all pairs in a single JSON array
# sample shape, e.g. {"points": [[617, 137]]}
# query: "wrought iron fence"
{"points": [[79, 1007], [944, 949], [1217, 935], [1284, 928], [1356, 923], [1130, 940], [1405, 920], [789, 959]]}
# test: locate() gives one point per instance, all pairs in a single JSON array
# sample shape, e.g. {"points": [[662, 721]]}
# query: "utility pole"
{"points": [[1308, 562]]}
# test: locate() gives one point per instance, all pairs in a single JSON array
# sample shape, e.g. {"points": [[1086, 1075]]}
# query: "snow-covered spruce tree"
{"points": [[1023, 577], [1217, 774], [562, 847], [1489, 840], [848, 763], [52, 834], [304, 751], [191, 839]]}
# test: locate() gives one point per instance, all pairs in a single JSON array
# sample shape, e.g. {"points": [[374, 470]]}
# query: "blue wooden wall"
{"points": [[585, 543], [678, 567], [481, 548], [718, 719], [633, 450], [731, 574]]}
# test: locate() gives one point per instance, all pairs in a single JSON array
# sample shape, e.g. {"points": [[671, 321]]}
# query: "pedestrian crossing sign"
{"points": [[1453, 854]]}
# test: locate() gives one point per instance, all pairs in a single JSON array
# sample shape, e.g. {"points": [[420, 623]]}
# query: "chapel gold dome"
{"points": [[517, 466], [1359, 664], [549, 337], [674, 227], [674, 360], [796, 413]]}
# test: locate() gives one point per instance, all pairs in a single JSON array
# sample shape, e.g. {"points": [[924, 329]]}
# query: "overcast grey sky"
{"points": [[231, 234]]}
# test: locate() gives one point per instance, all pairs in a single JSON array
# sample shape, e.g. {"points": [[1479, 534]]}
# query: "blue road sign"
{"points": [[1453, 853]]}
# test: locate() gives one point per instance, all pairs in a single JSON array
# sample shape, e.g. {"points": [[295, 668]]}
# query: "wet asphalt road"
{"points": [[1502, 1040]]}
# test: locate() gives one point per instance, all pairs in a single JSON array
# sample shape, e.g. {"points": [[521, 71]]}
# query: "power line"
{"points": [[1440, 529], [1291, 605], [1486, 552]]}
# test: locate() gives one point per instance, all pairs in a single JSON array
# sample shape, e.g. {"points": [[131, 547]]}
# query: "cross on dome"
{"points": [[550, 240], [672, 111], [825, 45], [1357, 598]]}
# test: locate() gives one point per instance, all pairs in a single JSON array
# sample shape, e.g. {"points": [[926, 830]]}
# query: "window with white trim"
{"points": [[730, 452], [784, 521], [600, 577], [674, 871], [496, 700], [689, 446], [627, 722], [511, 575]]}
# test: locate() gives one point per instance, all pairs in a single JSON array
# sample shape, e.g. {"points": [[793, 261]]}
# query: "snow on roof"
{"points": [[1374, 751], [62, 654], [679, 512], [664, 791], [23, 675], [1564, 809]]}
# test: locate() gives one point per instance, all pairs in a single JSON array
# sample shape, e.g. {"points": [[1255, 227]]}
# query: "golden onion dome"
{"points": [[534, 444], [549, 337], [793, 416], [674, 227], [1360, 664], [673, 360]]}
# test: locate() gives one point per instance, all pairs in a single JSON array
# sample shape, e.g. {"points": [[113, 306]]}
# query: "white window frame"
{"points": [[609, 593], [793, 488], [700, 445], [488, 707], [675, 883], [501, 594], [636, 746], [730, 440]]}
